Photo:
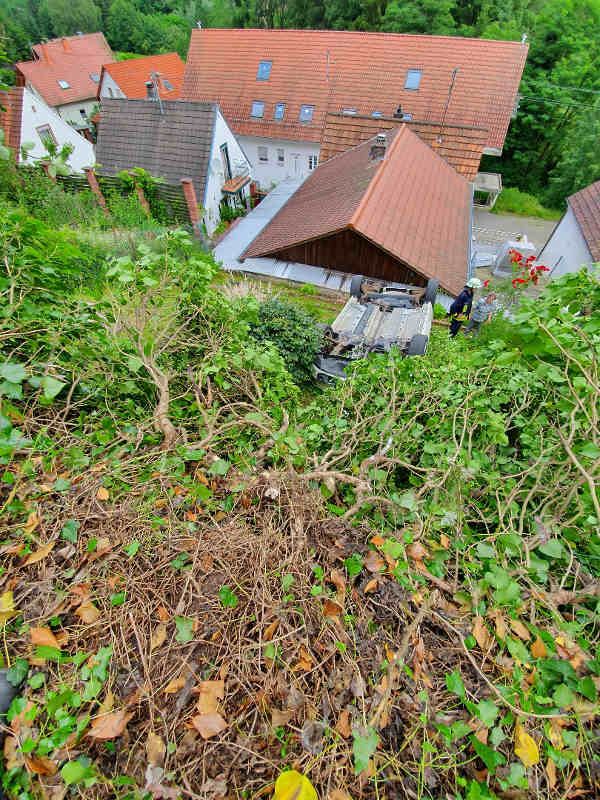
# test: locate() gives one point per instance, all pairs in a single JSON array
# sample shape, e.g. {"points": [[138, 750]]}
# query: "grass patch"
{"points": [[514, 201]]}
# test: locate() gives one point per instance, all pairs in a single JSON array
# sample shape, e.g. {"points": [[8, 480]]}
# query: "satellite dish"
{"points": [[216, 165]]}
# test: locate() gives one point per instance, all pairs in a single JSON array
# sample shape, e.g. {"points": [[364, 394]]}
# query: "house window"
{"points": [[349, 112], [280, 156], [306, 113], [279, 111], [95, 77], [110, 92], [82, 112], [264, 71], [377, 114], [64, 84], [413, 79], [258, 109], [168, 85], [46, 134], [263, 154], [313, 162]]}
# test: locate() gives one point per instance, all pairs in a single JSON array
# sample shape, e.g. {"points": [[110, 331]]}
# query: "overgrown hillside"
{"points": [[212, 574]]}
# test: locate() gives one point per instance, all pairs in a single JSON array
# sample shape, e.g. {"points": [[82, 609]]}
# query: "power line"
{"points": [[568, 88], [556, 102]]}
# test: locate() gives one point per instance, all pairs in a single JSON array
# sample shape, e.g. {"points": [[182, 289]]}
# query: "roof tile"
{"points": [[131, 75], [586, 207], [333, 70]]}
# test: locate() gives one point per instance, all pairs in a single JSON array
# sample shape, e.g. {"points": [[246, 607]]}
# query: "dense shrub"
{"points": [[294, 334]]}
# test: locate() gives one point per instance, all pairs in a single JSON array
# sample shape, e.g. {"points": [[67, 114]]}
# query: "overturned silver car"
{"points": [[376, 318]]}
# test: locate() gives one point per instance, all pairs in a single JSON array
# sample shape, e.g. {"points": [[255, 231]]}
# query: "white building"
{"points": [[65, 74], [575, 242], [174, 140], [28, 121]]}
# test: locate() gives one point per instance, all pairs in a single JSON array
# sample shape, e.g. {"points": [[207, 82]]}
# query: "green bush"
{"points": [[293, 332], [439, 312], [514, 201]]}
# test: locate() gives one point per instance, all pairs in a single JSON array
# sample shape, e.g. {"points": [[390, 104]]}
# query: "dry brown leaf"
{"points": [[102, 493], [520, 629], [371, 586], [337, 794], [374, 562], [479, 729], [12, 549], [343, 726], [538, 648], [279, 719], [332, 609], [444, 541], [305, 662], [40, 554], [209, 725], [481, 633], [155, 749], [160, 503], [97, 467], [378, 540], [158, 636], [270, 631], [163, 614], [499, 623], [209, 693], [110, 725], [175, 685], [32, 522], [44, 637], [88, 613], [40, 765], [107, 704], [551, 773], [13, 757], [416, 551], [339, 581]]}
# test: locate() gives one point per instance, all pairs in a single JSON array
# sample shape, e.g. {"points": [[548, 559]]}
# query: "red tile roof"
{"points": [[72, 59], [333, 70], [460, 145], [131, 75], [10, 120], [586, 207], [412, 204]]}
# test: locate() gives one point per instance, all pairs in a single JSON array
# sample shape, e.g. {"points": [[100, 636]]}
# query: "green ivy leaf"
{"points": [[51, 386], [365, 744], [563, 696], [408, 500], [491, 758], [75, 772], [552, 548], [517, 650], [228, 598], [18, 672], [13, 373], [69, 531], [185, 629], [487, 711], [353, 565], [454, 684]]}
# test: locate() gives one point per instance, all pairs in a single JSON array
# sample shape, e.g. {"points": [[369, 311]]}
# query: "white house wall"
{"points": [[71, 112], [295, 159], [35, 114], [566, 250], [109, 85], [216, 174]]}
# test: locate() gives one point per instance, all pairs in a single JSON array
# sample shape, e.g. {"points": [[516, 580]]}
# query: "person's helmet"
{"points": [[474, 283]]}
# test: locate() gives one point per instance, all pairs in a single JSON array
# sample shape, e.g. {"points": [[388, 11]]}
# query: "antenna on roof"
{"points": [[450, 88], [199, 25], [523, 38], [152, 89]]}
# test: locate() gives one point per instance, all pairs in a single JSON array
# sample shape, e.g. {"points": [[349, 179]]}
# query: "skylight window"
{"points": [[95, 77], [279, 111], [258, 109], [64, 84], [306, 113], [413, 80], [264, 71], [168, 85], [377, 114]]}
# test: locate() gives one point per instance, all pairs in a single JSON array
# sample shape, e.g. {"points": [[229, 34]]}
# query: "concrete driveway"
{"points": [[498, 227]]}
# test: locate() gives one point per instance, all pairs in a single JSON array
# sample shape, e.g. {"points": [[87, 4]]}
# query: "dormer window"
{"points": [[413, 80], [64, 84], [306, 113], [264, 71]]}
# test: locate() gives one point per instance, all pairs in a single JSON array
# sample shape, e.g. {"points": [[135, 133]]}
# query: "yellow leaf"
{"points": [[525, 747], [538, 649], [44, 637], [175, 685], [40, 554], [520, 629], [7, 606], [103, 493], [88, 613], [32, 522], [294, 786], [159, 636]]}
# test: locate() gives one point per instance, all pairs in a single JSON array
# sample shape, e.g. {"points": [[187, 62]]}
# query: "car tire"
{"points": [[431, 292], [417, 345], [355, 286]]}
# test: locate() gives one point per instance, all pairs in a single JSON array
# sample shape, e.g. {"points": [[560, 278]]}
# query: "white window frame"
{"points": [[255, 104], [410, 79], [303, 110], [44, 131], [313, 162]]}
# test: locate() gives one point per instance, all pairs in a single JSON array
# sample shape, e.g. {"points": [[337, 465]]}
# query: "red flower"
{"points": [[543, 269], [531, 258], [521, 280], [514, 283], [486, 283]]}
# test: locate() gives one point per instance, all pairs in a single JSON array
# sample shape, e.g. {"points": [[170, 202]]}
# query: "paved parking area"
{"points": [[496, 228]]}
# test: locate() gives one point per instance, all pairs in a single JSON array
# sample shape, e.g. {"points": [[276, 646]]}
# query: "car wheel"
{"points": [[355, 286], [417, 345], [431, 292]]}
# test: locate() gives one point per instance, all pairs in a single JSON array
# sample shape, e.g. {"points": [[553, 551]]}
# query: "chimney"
{"points": [[150, 90], [378, 147], [45, 53], [66, 46]]}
